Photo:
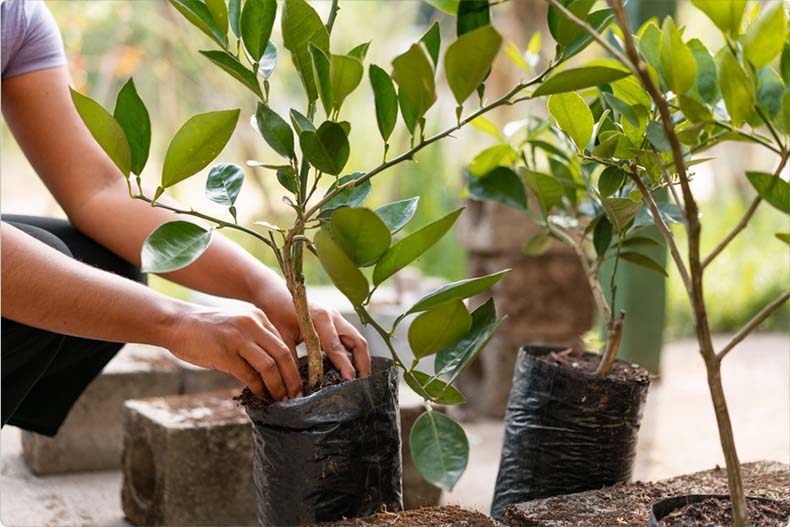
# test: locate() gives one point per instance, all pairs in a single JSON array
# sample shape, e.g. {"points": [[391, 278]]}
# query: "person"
{"points": [[71, 290]]}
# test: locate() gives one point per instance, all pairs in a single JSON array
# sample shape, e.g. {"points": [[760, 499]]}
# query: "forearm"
{"points": [[46, 289]]}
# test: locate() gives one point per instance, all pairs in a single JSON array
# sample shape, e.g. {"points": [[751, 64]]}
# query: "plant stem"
{"points": [[385, 335], [753, 323], [330, 23], [614, 335]]}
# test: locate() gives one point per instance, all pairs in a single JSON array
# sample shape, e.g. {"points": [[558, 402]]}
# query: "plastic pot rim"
{"points": [[682, 500]]}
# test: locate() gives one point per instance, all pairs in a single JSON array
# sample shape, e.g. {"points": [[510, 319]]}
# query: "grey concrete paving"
{"points": [[678, 436]]}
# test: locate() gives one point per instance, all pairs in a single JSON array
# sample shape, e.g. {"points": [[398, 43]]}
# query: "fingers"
{"points": [[331, 344], [355, 342], [273, 360], [246, 374]]}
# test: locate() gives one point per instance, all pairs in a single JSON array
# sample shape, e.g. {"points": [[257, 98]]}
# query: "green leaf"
{"points": [[630, 90], [786, 111], [413, 73], [234, 16], [707, 81], [448, 6], [650, 44], [105, 130], [200, 16], [472, 14], [640, 241], [434, 390], [643, 260], [772, 189], [350, 197], [322, 73], [602, 236], [439, 449], [620, 211], [454, 359], [783, 236], [386, 101], [457, 291], [468, 60], [411, 247], [397, 214], [361, 234], [547, 189], [433, 42], [269, 61], [579, 78], [677, 61], [274, 130], [230, 65], [492, 157], [500, 184], [621, 107], [563, 29], [785, 64], [737, 89], [300, 122], [327, 148], [599, 20], [537, 244], [302, 26], [439, 327], [219, 12], [341, 270], [610, 181], [173, 246], [408, 112], [573, 117], [196, 144], [224, 183], [770, 90], [257, 20], [132, 116], [486, 126], [347, 73], [360, 51], [694, 111], [765, 38], [726, 15], [286, 176], [657, 137]]}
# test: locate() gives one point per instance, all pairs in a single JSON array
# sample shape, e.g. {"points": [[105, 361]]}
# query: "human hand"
{"points": [[245, 345]]}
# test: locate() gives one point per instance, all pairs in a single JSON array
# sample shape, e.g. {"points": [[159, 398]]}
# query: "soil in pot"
{"points": [[331, 378], [567, 430], [447, 516], [713, 511], [332, 454]]}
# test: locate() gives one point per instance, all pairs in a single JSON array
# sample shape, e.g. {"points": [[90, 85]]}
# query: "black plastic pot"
{"points": [[566, 431], [331, 455], [665, 507]]}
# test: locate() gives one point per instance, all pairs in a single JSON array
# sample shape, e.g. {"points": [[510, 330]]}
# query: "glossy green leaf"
{"points": [[439, 327], [439, 449], [620, 211], [657, 137], [472, 14], [173, 246], [350, 197], [783, 236], [224, 183], [547, 189], [322, 73], [642, 260], [640, 241], [772, 189], [765, 38], [230, 65], [132, 116], [490, 158], [360, 51], [621, 107], [219, 12], [413, 73], [453, 360], [737, 88], [234, 16], [408, 112], [485, 125], [302, 26], [468, 60], [286, 176], [599, 20], [268, 61], [361, 234], [347, 73], [707, 79], [602, 236], [107, 132], [678, 64], [630, 90], [726, 14], [448, 6], [300, 122], [694, 111], [412, 247], [257, 21], [397, 214], [786, 111], [562, 28], [196, 144], [579, 78], [341, 270], [785, 64], [432, 39], [457, 291], [650, 43], [573, 116], [327, 148], [770, 90], [274, 130], [610, 181], [198, 13], [500, 184], [386, 101], [435, 390]]}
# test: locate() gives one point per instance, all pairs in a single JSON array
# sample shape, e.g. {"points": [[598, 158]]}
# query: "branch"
{"points": [[752, 324], [330, 23], [614, 336]]}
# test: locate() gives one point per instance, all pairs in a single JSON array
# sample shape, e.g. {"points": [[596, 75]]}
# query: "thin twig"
{"points": [[753, 324], [330, 23]]}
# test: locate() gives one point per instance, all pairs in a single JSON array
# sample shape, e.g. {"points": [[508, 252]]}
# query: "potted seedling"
{"points": [[335, 451], [640, 122]]}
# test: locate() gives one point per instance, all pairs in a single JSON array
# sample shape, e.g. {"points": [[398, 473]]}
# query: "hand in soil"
{"points": [[715, 512], [245, 345], [331, 377]]}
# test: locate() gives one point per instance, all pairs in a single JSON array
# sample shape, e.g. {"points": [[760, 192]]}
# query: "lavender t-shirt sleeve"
{"points": [[29, 37]]}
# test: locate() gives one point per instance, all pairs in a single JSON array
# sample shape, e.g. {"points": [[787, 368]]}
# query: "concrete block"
{"points": [[187, 460], [416, 491], [91, 436], [195, 379]]}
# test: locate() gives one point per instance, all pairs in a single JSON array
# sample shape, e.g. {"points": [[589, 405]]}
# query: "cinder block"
{"points": [[91, 436], [187, 460], [195, 379], [416, 491]]}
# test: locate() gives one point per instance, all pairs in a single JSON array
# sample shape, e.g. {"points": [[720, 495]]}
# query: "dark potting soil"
{"points": [[715, 511], [331, 378], [588, 363], [446, 516]]}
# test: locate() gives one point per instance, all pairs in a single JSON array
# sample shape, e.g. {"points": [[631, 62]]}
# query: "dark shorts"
{"points": [[43, 373]]}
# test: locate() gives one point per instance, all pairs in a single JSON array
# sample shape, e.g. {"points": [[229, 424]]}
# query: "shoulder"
{"points": [[30, 38]]}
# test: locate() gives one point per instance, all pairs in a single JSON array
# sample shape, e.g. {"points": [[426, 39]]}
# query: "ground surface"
{"points": [[678, 436]]}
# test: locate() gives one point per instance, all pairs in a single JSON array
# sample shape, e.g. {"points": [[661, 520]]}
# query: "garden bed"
{"points": [[446, 516], [630, 504]]}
